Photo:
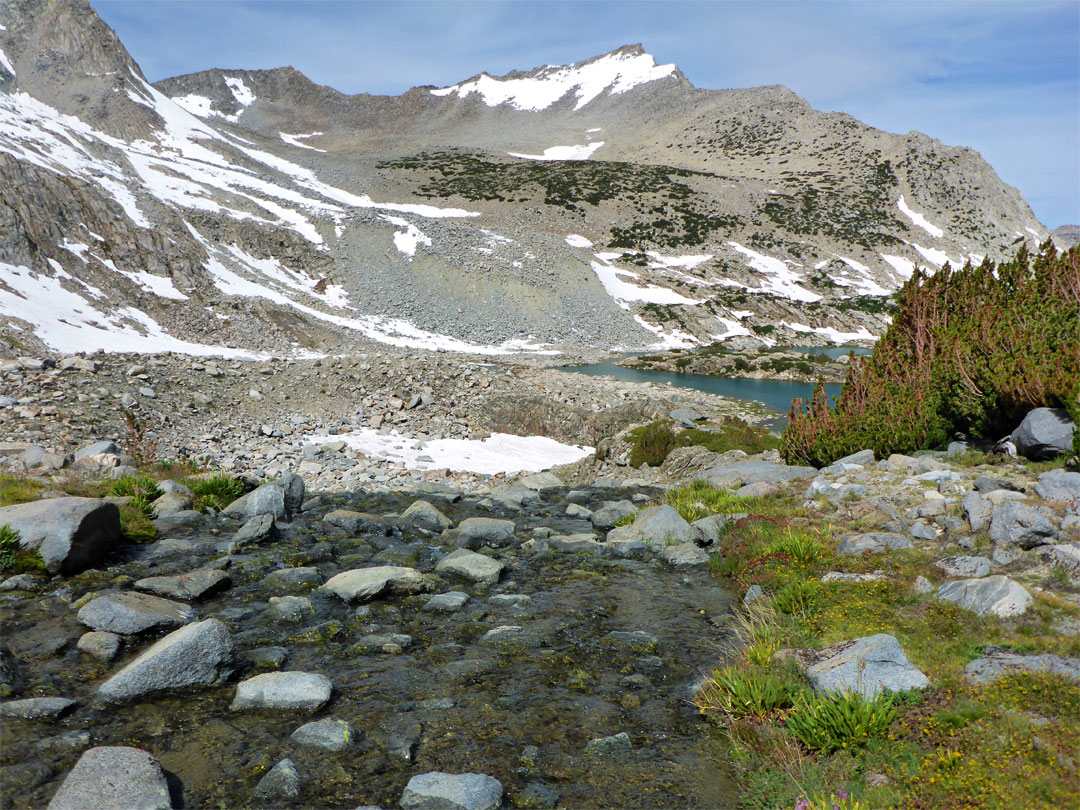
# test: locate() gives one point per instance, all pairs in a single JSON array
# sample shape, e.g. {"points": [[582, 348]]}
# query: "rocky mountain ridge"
{"points": [[605, 204]]}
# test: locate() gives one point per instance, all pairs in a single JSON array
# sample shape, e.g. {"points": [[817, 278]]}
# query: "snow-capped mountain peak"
{"points": [[614, 72]]}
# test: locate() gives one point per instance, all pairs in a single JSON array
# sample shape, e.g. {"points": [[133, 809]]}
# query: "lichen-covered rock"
{"points": [[998, 595], [867, 665]]}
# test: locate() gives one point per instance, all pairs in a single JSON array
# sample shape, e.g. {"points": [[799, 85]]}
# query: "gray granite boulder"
{"points": [[70, 534], [293, 487], [169, 503], [611, 512], [363, 584], [357, 522], [1063, 555], [685, 554], [128, 613], [733, 476], [978, 511], [1059, 485], [1017, 524], [192, 585], [269, 499], [1044, 433], [197, 655], [301, 691], [114, 777], [471, 566], [475, 532], [328, 733], [964, 566], [100, 644], [259, 529], [447, 791], [424, 519], [998, 595], [873, 542], [999, 661], [282, 781], [449, 602], [868, 665], [37, 708], [661, 526]]}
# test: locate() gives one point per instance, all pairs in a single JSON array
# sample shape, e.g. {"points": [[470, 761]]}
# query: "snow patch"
{"points": [[732, 328], [581, 152], [615, 73], [933, 255], [408, 240], [498, 453], [780, 279], [905, 268], [832, 334], [675, 339], [576, 240], [6, 63], [294, 140], [919, 219], [686, 262], [623, 291], [241, 92]]}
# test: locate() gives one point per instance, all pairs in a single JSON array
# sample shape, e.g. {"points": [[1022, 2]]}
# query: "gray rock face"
{"points": [[170, 503], [357, 522], [192, 585], [449, 602], [867, 665], [863, 457], [103, 646], [471, 566], [280, 782], [293, 487], [128, 613], [447, 791], [1063, 555], [114, 777], [733, 476], [258, 529], [1044, 433], [299, 691], [873, 542], [661, 526], [70, 534], [965, 566], [710, 529], [578, 512], [35, 708], [362, 584], [97, 449], [328, 733], [685, 554], [423, 518], [514, 497], [475, 532], [611, 512], [197, 655], [1000, 661], [577, 542], [998, 595], [977, 510], [1017, 524], [269, 499], [1059, 485]]}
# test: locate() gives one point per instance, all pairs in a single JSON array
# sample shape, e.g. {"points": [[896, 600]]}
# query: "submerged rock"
{"points": [[114, 777], [280, 782], [447, 791]]}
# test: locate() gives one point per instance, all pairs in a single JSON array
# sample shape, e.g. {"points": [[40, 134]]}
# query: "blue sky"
{"points": [[1000, 77]]}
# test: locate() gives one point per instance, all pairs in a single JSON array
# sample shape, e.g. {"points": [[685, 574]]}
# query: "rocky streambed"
{"points": [[515, 645]]}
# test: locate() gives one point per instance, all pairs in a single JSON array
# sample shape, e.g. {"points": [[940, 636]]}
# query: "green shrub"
{"points": [[142, 491], [797, 597], [805, 549], [969, 351], [838, 720], [9, 547], [652, 444], [215, 491], [136, 521], [739, 692]]}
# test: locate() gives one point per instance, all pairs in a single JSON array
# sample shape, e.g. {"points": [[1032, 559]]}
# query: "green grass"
{"points": [[13, 558], [16, 489], [955, 745], [653, 443], [215, 491]]}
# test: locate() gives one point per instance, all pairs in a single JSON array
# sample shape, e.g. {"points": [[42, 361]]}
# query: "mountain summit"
{"points": [[607, 203]]}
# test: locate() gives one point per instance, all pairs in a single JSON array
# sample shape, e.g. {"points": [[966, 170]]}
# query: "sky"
{"points": [[1000, 77]]}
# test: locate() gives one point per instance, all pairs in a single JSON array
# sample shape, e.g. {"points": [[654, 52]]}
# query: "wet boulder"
{"points": [[424, 519], [269, 499], [197, 655], [446, 791], [362, 584], [475, 532], [129, 613], [303, 691], [115, 777], [471, 566], [70, 534]]}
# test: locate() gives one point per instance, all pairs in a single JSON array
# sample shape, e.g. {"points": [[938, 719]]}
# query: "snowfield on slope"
{"points": [[498, 453]]}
